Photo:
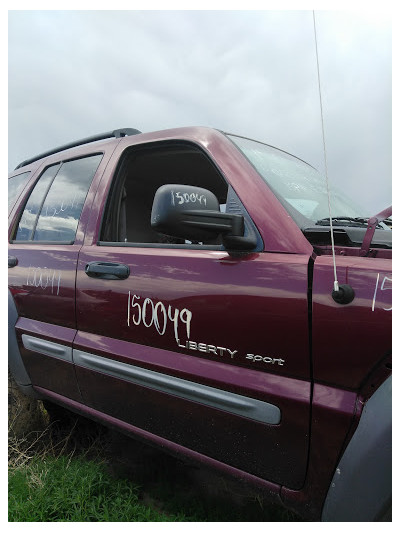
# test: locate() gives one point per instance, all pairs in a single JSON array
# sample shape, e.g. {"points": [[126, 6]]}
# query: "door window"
{"points": [[141, 173], [55, 205]]}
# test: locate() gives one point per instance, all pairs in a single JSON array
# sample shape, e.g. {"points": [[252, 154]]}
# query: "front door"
{"points": [[189, 343]]}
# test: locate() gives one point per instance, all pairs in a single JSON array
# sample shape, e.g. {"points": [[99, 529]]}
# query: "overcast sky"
{"points": [[73, 74]]}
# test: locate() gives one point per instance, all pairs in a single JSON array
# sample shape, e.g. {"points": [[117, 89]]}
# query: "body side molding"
{"points": [[53, 349], [227, 401]]}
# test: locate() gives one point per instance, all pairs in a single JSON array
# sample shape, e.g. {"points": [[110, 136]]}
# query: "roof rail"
{"points": [[123, 132]]}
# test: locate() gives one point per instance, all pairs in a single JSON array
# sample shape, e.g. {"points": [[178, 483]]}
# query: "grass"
{"points": [[68, 489], [79, 472]]}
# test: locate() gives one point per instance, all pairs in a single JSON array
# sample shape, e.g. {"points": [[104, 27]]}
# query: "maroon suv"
{"points": [[179, 286]]}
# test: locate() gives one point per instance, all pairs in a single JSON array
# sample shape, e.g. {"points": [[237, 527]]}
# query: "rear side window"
{"points": [[53, 209], [15, 186]]}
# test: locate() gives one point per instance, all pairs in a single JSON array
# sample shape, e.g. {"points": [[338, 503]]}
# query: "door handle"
{"points": [[98, 269], [12, 261]]}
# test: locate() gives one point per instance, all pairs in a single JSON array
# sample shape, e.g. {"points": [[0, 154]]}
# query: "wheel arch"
{"points": [[361, 487]]}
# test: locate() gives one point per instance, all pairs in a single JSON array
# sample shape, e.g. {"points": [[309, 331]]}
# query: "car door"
{"points": [[45, 237], [185, 341]]}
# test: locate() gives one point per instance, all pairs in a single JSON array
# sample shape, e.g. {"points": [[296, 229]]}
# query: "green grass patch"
{"points": [[75, 490]]}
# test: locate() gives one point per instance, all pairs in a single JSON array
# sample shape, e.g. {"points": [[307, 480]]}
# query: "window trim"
{"points": [[42, 242], [209, 247], [44, 198]]}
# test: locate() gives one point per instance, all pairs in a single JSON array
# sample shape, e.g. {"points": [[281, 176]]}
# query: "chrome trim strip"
{"points": [[52, 349], [220, 399]]}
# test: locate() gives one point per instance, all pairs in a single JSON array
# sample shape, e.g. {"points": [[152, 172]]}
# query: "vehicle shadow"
{"points": [[174, 486]]}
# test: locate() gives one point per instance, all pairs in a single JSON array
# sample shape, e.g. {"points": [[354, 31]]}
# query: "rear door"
{"points": [[183, 340], [44, 242]]}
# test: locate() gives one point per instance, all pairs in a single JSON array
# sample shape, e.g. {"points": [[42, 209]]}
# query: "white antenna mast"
{"points": [[335, 283]]}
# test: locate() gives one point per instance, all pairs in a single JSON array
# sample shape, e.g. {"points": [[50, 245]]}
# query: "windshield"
{"points": [[300, 186]]}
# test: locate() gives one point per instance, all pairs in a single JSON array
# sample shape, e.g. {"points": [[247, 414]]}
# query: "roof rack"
{"points": [[123, 132]]}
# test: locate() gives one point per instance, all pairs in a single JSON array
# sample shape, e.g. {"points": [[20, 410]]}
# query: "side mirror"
{"points": [[192, 213]]}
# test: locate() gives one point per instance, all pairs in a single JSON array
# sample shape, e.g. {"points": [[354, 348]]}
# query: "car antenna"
{"points": [[342, 294]]}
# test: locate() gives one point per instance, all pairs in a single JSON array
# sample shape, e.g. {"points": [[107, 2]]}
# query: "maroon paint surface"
{"points": [[244, 304], [43, 282], [333, 412], [350, 340]]}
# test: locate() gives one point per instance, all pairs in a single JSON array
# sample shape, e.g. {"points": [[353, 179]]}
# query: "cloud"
{"points": [[75, 73]]}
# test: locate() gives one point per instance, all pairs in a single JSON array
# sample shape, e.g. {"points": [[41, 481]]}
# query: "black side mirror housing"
{"points": [[193, 213]]}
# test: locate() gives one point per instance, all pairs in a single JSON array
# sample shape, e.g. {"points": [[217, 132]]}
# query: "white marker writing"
{"points": [[383, 287], [43, 278], [187, 198], [376, 288], [157, 315]]}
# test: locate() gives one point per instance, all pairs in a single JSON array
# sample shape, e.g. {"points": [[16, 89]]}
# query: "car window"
{"points": [[53, 209], [301, 186], [141, 172], [15, 186]]}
